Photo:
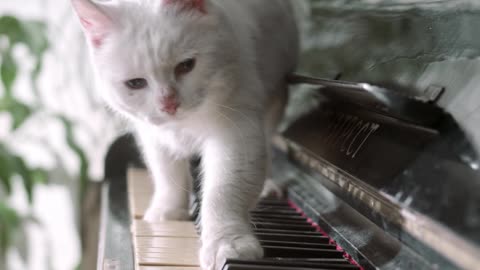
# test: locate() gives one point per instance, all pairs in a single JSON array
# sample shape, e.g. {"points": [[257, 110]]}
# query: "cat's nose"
{"points": [[169, 104]]}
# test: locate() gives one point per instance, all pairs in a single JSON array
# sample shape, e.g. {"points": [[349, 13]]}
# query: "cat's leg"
{"points": [[234, 172], [274, 115], [172, 184]]}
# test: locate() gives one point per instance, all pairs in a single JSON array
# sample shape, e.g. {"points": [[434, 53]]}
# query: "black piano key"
{"points": [[288, 227], [195, 209], [292, 238], [310, 233], [310, 262], [260, 267], [279, 221], [296, 244], [194, 213], [268, 208], [267, 267], [278, 212], [295, 219], [295, 215], [289, 241], [292, 252], [278, 215], [273, 200], [273, 203], [340, 264]]}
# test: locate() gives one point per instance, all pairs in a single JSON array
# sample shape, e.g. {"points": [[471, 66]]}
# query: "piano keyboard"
{"points": [[290, 240]]}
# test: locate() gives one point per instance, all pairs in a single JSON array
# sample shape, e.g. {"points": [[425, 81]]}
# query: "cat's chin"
{"points": [[158, 120]]}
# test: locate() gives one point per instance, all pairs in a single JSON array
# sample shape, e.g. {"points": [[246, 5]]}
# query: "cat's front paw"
{"points": [[214, 254], [158, 214], [271, 189]]}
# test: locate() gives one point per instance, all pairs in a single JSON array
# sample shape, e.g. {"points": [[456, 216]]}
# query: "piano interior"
{"points": [[373, 178]]}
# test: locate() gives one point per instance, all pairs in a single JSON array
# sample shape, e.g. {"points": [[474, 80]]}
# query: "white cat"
{"points": [[198, 76]]}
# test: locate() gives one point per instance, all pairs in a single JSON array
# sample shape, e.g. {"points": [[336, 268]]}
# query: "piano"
{"points": [[374, 176], [373, 179]]}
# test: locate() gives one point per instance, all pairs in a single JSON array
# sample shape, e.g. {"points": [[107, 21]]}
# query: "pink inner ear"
{"points": [[189, 4], [96, 24], [97, 41], [94, 33]]}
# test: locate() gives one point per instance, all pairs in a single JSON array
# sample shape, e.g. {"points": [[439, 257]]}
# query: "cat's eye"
{"points": [[136, 84], [184, 67]]}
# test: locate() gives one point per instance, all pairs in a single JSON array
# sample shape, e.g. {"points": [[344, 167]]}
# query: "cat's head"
{"points": [[154, 58]]}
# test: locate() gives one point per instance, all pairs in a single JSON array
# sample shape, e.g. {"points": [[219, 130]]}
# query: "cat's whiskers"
{"points": [[237, 111], [171, 180], [233, 122]]}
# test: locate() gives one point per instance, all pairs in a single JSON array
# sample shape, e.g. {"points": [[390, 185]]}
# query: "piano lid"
{"points": [[416, 45], [402, 161]]}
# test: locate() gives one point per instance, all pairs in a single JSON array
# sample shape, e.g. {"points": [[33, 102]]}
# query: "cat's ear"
{"points": [[198, 5], [96, 24]]}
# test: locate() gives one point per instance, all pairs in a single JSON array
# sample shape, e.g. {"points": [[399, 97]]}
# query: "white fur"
{"points": [[230, 103]]}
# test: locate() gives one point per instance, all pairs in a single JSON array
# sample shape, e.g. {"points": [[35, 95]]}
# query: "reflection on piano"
{"points": [[372, 180]]}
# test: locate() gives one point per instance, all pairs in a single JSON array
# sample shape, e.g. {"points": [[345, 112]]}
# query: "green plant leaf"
{"points": [[30, 177], [72, 144], [30, 33], [11, 164], [8, 72], [19, 111], [34, 78], [5, 176], [6, 171], [12, 29], [39, 176], [35, 37], [9, 224], [25, 174]]}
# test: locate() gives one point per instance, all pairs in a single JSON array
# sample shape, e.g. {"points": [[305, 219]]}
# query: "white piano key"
{"points": [[170, 245], [167, 268], [164, 229], [164, 242], [140, 190], [167, 260]]}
